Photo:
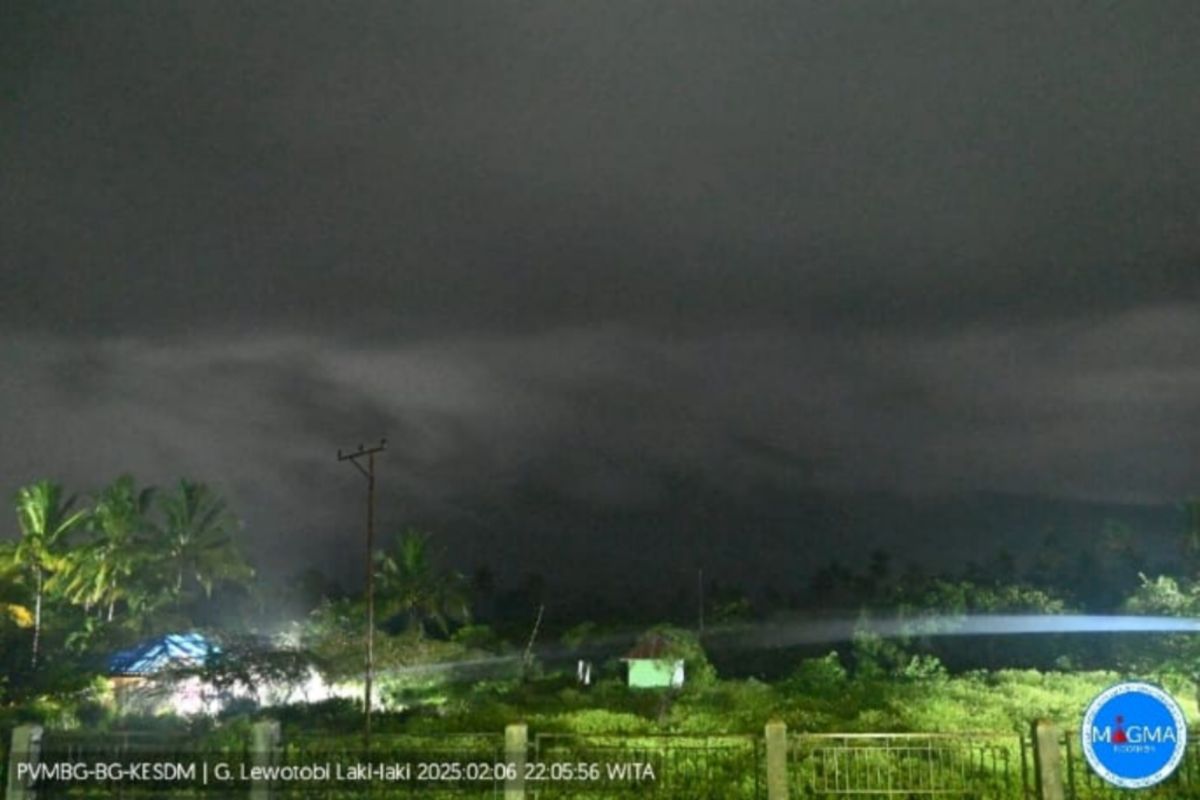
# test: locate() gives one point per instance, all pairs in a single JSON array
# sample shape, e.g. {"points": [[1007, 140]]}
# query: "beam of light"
{"points": [[465, 669], [824, 631], [827, 631]]}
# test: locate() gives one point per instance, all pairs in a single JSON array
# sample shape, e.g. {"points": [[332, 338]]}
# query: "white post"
{"points": [[777, 766], [516, 749], [1047, 760], [26, 749], [264, 752]]}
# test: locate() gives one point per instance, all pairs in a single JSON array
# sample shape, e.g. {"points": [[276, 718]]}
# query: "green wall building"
{"points": [[651, 665]]}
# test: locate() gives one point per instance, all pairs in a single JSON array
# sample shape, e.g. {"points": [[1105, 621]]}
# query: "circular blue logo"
{"points": [[1134, 735]]}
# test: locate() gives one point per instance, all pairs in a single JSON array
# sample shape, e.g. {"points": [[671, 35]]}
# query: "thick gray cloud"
{"points": [[926, 247], [603, 416]]}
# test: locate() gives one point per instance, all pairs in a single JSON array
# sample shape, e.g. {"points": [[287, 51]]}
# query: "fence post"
{"points": [[265, 739], [1047, 760], [26, 749], [516, 748], [777, 761]]}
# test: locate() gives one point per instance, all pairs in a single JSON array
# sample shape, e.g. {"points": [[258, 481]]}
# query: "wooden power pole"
{"points": [[368, 473]]}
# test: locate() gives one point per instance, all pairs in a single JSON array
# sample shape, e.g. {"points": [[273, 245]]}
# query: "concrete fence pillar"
{"points": [[26, 748], [777, 761], [1047, 760], [516, 750], [265, 741]]}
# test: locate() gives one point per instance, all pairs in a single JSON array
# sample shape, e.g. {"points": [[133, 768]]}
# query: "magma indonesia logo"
{"points": [[1134, 735]]}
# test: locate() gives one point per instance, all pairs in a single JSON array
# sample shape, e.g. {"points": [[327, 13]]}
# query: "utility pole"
{"points": [[700, 595], [369, 474]]}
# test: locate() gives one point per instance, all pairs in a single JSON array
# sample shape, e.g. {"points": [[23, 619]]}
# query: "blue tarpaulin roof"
{"points": [[163, 652]]}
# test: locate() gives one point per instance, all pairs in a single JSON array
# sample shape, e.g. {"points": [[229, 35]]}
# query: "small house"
{"points": [[654, 664], [165, 675], [133, 673]]}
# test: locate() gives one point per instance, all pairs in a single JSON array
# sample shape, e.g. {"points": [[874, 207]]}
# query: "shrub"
{"points": [[824, 676]]}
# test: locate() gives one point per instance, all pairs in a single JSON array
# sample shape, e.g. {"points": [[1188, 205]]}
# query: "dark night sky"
{"points": [[577, 250]]}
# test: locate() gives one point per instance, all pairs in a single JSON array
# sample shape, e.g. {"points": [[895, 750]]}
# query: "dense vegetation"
{"points": [[88, 575]]}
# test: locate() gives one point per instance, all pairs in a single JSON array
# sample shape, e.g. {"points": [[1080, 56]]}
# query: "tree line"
{"points": [[90, 573], [119, 562]]}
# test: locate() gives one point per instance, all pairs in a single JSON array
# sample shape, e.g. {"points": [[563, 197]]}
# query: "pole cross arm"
{"points": [[359, 453]]}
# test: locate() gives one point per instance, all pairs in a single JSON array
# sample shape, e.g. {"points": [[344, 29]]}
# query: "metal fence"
{"points": [[665, 767], [140, 764], [1080, 783], [980, 766], [456, 765], [599, 767], [906, 765]]}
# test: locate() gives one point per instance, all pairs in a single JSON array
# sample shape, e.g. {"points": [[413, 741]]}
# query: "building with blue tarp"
{"points": [[142, 680], [153, 656], [161, 675]]}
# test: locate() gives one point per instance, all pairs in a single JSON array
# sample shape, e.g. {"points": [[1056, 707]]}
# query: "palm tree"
{"points": [[45, 518], [195, 540], [409, 584], [101, 574]]}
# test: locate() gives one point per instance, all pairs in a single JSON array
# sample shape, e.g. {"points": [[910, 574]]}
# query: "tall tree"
{"points": [[102, 574], [195, 541], [45, 518], [410, 584]]}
